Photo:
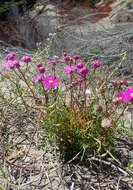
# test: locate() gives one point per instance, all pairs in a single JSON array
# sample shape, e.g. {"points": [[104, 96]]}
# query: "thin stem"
{"points": [[71, 92], [21, 96], [26, 69], [17, 74], [45, 94], [84, 108], [53, 69], [27, 83], [115, 70], [7, 77], [79, 91], [122, 112]]}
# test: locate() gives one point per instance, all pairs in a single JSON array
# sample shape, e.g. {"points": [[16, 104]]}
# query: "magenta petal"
{"points": [[10, 56], [37, 78], [80, 66], [70, 69], [41, 70], [39, 65], [67, 58], [76, 57], [51, 62], [96, 63], [26, 59], [50, 81], [83, 71]]}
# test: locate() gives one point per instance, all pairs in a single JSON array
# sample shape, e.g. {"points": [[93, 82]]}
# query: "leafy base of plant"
{"points": [[72, 138]]}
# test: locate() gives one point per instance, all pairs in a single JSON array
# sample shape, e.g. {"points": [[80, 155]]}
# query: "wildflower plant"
{"points": [[85, 123], [82, 110]]}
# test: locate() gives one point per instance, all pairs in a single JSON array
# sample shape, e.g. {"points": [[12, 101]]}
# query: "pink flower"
{"points": [[37, 78], [41, 70], [80, 79], [73, 68], [11, 64], [6, 66], [10, 56], [76, 57], [65, 54], [26, 59], [67, 58], [83, 71], [125, 96], [80, 66], [120, 97], [123, 82], [70, 69], [129, 94], [51, 62], [96, 63], [39, 65], [114, 84], [15, 63], [50, 81]]}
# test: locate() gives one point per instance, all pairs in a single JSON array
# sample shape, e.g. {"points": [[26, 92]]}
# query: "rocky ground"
{"points": [[29, 166]]}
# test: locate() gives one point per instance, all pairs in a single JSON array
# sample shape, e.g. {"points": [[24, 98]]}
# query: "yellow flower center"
{"points": [[121, 81], [131, 94], [50, 81], [119, 98]]}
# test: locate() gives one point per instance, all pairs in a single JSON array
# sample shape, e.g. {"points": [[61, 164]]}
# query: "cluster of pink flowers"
{"points": [[47, 81], [72, 68], [68, 58], [41, 71], [79, 67], [11, 63], [125, 96]]}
